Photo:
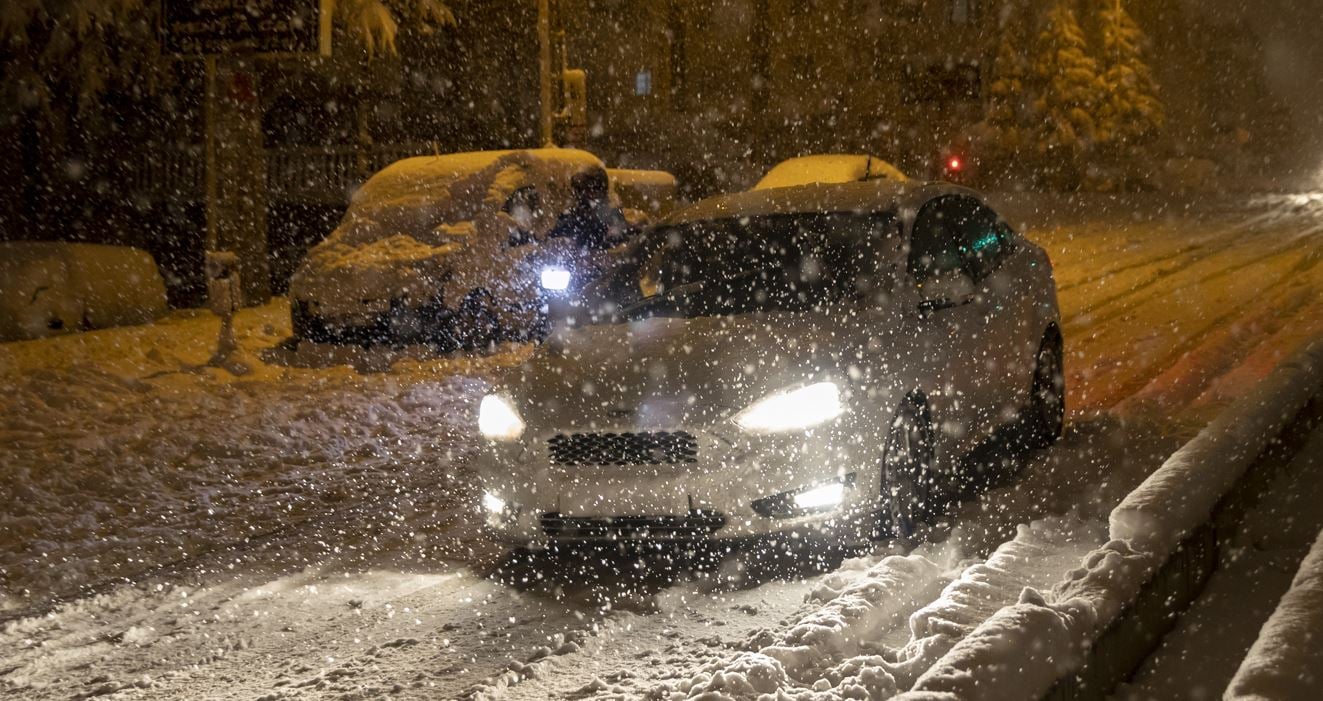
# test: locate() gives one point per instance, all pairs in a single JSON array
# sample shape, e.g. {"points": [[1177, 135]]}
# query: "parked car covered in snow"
{"points": [[828, 168], [458, 250], [49, 287], [797, 360]]}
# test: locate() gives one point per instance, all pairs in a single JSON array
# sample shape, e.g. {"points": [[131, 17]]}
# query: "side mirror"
{"points": [[945, 292]]}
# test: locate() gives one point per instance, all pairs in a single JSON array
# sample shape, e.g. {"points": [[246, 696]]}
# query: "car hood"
{"points": [[663, 372]]}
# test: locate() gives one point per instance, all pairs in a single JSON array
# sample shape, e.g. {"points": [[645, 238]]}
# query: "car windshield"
{"points": [[784, 262]]}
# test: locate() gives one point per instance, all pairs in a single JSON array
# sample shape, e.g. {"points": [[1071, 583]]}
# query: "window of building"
{"points": [[643, 82], [962, 11]]}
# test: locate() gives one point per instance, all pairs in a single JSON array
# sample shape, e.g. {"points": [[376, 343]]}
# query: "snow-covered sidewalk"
{"points": [[1204, 650]]}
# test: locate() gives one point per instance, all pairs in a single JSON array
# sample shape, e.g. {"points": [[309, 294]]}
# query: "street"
{"points": [[300, 522]]}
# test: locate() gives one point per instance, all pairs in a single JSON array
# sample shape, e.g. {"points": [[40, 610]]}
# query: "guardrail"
{"points": [[1103, 619]]}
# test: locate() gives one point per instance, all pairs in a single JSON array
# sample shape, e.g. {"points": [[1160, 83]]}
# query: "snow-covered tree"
{"points": [[1133, 113], [89, 46], [1069, 90], [1007, 123]]}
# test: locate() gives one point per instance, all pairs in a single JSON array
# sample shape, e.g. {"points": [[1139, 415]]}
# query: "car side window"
{"points": [[982, 241], [936, 240], [524, 206]]}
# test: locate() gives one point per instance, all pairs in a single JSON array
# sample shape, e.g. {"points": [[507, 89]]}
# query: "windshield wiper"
{"points": [[675, 293]]}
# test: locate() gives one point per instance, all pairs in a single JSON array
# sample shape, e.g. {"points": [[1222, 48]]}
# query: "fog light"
{"points": [[555, 279], [821, 497], [814, 499]]}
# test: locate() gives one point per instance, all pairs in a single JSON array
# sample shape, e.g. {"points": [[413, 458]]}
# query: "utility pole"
{"points": [[546, 108]]}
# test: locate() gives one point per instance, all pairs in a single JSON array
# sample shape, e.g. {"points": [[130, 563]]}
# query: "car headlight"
{"points": [[813, 499], [794, 410], [492, 503], [498, 420], [555, 279]]}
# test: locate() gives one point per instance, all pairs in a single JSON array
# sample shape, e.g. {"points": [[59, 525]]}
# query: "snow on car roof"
{"points": [[422, 174], [828, 168], [867, 196]]}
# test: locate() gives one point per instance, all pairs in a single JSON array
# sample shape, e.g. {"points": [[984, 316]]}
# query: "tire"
{"points": [[1045, 418], [476, 325], [906, 471], [304, 325]]}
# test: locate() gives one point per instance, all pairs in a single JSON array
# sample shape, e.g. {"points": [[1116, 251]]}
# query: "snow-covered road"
{"points": [[304, 528]]}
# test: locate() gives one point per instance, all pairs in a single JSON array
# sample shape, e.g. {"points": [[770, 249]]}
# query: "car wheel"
{"points": [[476, 324], [1046, 416], [907, 480], [304, 325]]}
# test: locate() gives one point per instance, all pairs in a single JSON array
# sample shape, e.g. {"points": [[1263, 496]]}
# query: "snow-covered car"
{"points": [[820, 358], [828, 168], [458, 250]]}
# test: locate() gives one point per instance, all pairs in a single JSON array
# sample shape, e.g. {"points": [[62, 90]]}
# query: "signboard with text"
{"points": [[276, 27]]}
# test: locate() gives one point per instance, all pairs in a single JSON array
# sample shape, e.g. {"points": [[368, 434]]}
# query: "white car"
{"points": [[814, 359], [451, 249]]}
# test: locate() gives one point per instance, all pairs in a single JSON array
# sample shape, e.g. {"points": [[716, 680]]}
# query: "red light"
{"points": [[955, 163]]}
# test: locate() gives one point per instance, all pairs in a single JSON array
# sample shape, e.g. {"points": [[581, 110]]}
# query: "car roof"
{"points": [[421, 173], [869, 196], [828, 168]]}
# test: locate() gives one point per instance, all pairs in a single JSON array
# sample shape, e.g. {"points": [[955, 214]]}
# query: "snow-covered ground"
{"points": [[299, 523]]}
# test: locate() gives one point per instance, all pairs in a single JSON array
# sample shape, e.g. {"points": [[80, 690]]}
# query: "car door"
{"points": [[945, 323], [989, 253]]}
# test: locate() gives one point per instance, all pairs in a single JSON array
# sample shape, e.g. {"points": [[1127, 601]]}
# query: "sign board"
{"points": [[210, 27]]}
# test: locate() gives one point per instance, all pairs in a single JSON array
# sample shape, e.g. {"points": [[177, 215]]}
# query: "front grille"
{"points": [[695, 525], [623, 448]]}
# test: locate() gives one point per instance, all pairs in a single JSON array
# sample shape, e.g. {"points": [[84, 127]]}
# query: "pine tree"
{"points": [[1069, 91], [1006, 125], [1133, 114]]}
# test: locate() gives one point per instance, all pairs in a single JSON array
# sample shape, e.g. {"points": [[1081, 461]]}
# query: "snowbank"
{"points": [[840, 650], [1043, 641], [1180, 496], [1022, 651], [48, 288], [1286, 661]]}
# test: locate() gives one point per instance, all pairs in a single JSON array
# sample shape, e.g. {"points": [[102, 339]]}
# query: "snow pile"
{"points": [[1286, 661], [842, 649], [1021, 651], [1043, 640], [48, 288], [1180, 496]]}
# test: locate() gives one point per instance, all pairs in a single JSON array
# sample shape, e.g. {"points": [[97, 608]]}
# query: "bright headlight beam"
{"points": [[493, 503], [821, 497], [498, 420], [797, 409], [555, 279]]}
